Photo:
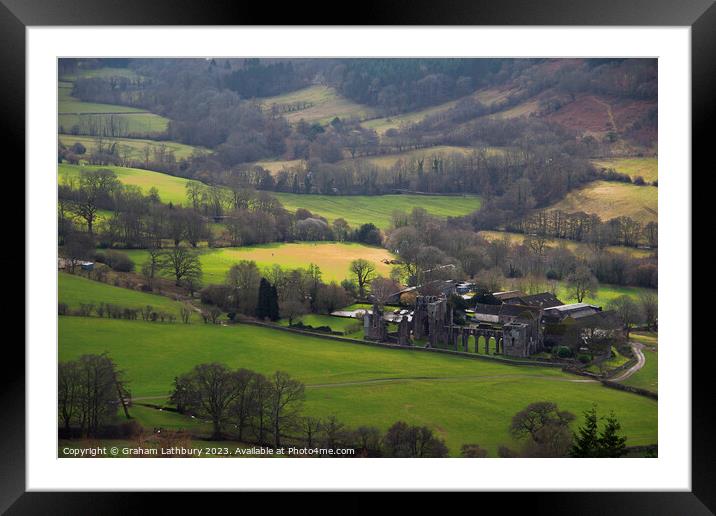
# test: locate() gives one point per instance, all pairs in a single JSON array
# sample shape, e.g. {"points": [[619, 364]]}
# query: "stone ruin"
{"points": [[433, 319]]}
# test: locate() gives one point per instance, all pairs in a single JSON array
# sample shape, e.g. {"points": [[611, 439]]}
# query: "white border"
{"points": [[670, 471]]}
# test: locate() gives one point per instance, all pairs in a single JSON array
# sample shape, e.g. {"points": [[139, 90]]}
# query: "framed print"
{"points": [[421, 253]]}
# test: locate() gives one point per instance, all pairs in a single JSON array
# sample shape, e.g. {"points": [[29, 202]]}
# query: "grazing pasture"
{"points": [[648, 376], [104, 72], [139, 123], [647, 168], [322, 104], [463, 400], [73, 290], [486, 96], [361, 209], [610, 199], [74, 114], [133, 148], [350, 327], [171, 188], [605, 293], [579, 248], [333, 258], [388, 160], [356, 209]]}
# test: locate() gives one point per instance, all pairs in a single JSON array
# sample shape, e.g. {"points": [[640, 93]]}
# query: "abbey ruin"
{"points": [[518, 325]]}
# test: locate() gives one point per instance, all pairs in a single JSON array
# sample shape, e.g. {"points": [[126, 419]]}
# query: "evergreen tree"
{"points": [[263, 305], [273, 311], [611, 444], [586, 441]]}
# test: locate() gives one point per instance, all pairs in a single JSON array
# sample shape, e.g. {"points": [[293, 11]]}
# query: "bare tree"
{"points": [[285, 403], [209, 390], [364, 272], [628, 311], [649, 304], [581, 283], [382, 289], [181, 263]]}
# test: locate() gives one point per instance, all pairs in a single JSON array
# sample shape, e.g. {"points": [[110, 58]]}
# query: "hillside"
{"points": [[610, 200], [92, 118], [315, 104]]}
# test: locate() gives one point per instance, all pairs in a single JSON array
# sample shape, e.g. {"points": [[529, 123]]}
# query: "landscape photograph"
{"points": [[357, 257]]}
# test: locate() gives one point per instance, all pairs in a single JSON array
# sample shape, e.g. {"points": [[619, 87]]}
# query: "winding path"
{"points": [[640, 361]]}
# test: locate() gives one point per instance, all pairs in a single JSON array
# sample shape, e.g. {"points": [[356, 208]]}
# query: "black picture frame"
{"points": [[16, 15]]}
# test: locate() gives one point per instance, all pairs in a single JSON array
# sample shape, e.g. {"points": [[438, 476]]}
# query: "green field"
{"points": [[648, 376], [332, 257], [275, 166], [361, 209], [388, 160], [462, 400], [381, 125], [325, 105], [171, 188], [74, 112], [356, 209], [142, 123], [350, 327], [105, 72], [73, 290], [132, 148], [633, 167], [605, 293], [579, 248], [610, 199]]}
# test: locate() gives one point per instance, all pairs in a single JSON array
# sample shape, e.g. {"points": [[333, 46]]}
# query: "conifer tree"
{"points": [[264, 302], [611, 444], [586, 441], [273, 310]]}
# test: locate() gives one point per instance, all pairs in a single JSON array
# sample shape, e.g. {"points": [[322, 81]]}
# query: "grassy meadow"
{"points": [[610, 199], [361, 209], [579, 248], [104, 72], [325, 105], [73, 290], [633, 167], [171, 188], [333, 258], [132, 148], [356, 209], [72, 111], [604, 294], [648, 376], [454, 396], [388, 160], [381, 125]]}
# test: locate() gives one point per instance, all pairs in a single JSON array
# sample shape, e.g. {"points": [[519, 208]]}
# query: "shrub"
{"points": [[564, 352], [584, 359], [119, 261], [217, 295], [62, 309]]}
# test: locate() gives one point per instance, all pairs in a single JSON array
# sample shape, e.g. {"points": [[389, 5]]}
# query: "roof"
{"points": [[508, 294], [574, 310], [506, 310], [481, 308], [544, 299], [512, 310], [574, 306]]}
